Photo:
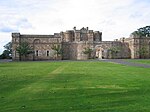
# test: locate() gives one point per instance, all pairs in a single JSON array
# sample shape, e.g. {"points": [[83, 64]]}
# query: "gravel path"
{"points": [[5, 60], [118, 61], [125, 62]]}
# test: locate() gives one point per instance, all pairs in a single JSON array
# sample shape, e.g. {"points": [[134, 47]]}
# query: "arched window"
{"points": [[47, 53], [36, 53], [36, 41], [81, 37]]}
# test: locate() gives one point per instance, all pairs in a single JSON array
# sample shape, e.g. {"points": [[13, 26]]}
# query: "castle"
{"points": [[74, 43]]}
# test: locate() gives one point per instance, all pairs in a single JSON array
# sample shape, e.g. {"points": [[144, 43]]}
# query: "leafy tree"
{"points": [[8, 47], [114, 51], [7, 53], [143, 52], [88, 51], [24, 50], [144, 31], [57, 49]]}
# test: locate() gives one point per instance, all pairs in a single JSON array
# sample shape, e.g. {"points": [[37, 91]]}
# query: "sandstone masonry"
{"points": [[74, 42]]}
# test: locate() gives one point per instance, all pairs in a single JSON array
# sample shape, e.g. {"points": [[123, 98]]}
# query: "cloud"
{"points": [[6, 29], [9, 23], [115, 18]]}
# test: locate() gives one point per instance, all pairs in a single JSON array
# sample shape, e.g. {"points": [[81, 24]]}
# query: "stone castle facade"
{"points": [[74, 42]]}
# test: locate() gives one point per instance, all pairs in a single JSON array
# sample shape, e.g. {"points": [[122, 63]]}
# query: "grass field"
{"points": [[73, 87]]}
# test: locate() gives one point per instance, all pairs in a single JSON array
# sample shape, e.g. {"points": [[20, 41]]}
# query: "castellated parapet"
{"points": [[74, 42]]}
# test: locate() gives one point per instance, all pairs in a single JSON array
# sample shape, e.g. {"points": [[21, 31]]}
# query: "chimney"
{"points": [[87, 28], [74, 28]]}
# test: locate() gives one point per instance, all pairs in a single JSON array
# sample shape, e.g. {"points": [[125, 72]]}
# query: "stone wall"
{"points": [[104, 49], [74, 42], [40, 44], [137, 45]]}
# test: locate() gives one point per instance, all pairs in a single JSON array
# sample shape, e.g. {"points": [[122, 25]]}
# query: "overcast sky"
{"points": [[115, 18]]}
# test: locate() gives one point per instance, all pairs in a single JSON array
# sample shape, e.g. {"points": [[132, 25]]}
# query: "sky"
{"points": [[114, 18]]}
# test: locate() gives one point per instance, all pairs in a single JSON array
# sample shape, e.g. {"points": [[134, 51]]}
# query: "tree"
{"points": [[57, 49], [88, 51], [114, 51], [143, 52], [144, 31], [7, 53], [24, 50]]}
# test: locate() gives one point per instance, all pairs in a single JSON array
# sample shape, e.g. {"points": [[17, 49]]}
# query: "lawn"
{"points": [[73, 87]]}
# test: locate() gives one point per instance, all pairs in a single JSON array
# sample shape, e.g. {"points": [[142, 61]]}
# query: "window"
{"points": [[37, 53], [14, 53], [81, 37], [14, 39], [94, 38], [47, 53], [73, 39]]}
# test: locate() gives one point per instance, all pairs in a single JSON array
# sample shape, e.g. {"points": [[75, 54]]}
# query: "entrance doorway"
{"points": [[100, 53]]}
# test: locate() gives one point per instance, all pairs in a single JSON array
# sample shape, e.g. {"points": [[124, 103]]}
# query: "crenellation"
{"points": [[73, 42]]}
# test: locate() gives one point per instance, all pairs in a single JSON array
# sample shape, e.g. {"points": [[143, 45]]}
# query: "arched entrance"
{"points": [[36, 43], [100, 53]]}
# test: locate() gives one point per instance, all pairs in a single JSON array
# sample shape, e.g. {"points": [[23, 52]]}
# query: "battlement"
{"points": [[14, 35], [83, 34], [73, 43], [18, 35]]}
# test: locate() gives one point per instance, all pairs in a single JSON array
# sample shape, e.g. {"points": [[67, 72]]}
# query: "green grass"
{"points": [[73, 87], [143, 61]]}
